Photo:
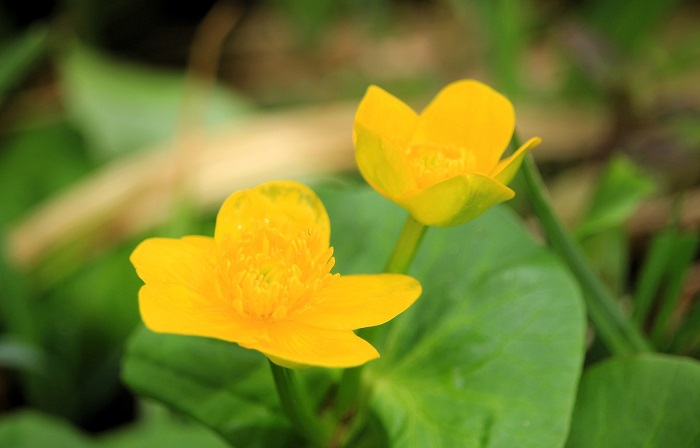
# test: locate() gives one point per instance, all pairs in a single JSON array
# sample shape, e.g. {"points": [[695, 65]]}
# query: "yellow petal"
{"points": [[358, 301], [175, 308], [456, 200], [286, 204], [381, 133], [382, 163], [383, 114], [290, 343], [471, 115], [188, 261], [506, 168]]}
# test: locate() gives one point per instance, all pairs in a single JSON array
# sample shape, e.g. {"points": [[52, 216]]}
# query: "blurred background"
{"points": [[125, 119]]}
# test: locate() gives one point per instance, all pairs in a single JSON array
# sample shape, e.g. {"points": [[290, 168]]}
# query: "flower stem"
{"points": [[297, 409], [614, 328], [350, 394], [406, 247]]}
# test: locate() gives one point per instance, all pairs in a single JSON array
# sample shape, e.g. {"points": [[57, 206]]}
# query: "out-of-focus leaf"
{"points": [[19, 56], [17, 317], [227, 388], [634, 20], [661, 279], [504, 24], [29, 429], [607, 252], [676, 270], [35, 163], [643, 401], [15, 354], [86, 322], [121, 106], [687, 339], [170, 434], [651, 274], [621, 188]]}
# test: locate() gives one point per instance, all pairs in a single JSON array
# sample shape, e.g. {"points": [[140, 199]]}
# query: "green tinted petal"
{"points": [[506, 168], [456, 200], [382, 163]]}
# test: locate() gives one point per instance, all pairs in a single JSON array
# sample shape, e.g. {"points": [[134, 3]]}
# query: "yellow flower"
{"points": [[443, 166], [264, 282]]}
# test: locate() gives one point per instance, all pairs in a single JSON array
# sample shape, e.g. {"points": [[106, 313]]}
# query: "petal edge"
{"points": [[291, 343], [456, 200], [188, 261], [359, 301], [288, 203], [471, 115], [174, 308], [506, 169]]}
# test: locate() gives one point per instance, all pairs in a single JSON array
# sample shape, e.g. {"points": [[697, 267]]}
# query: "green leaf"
{"points": [[17, 354], [634, 20], [601, 235], [620, 190], [25, 154], [225, 387], [663, 275], [644, 401], [608, 253], [30, 429], [687, 338], [677, 270], [490, 354], [652, 273], [170, 434], [19, 56], [121, 106]]}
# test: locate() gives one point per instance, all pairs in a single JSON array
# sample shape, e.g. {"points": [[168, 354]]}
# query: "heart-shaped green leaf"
{"points": [[490, 354], [220, 384], [643, 401]]}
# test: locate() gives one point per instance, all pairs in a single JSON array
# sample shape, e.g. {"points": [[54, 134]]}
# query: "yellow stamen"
{"points": [[432, 163], [266, 274]]}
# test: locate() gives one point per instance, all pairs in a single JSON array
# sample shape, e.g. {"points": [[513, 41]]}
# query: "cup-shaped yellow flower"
{"points": [[443, 166], [264, 281]]}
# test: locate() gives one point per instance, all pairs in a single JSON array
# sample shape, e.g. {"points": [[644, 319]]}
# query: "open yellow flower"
{"points": [[264, 282], [443, 166]]}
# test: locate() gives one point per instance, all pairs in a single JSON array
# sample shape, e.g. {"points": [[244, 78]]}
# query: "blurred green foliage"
{"points": [[647, 401], [19, 56], [601, 232], [122, 107], [27, 152]]}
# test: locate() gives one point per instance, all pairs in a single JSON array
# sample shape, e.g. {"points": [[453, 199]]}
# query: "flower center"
{"points": [[268, 274], [432, 163]]}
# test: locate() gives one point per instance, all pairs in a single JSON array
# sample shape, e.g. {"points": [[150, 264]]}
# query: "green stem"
{"points": [[406, 247], [615, 329], [297, 409], [350, 394]]}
